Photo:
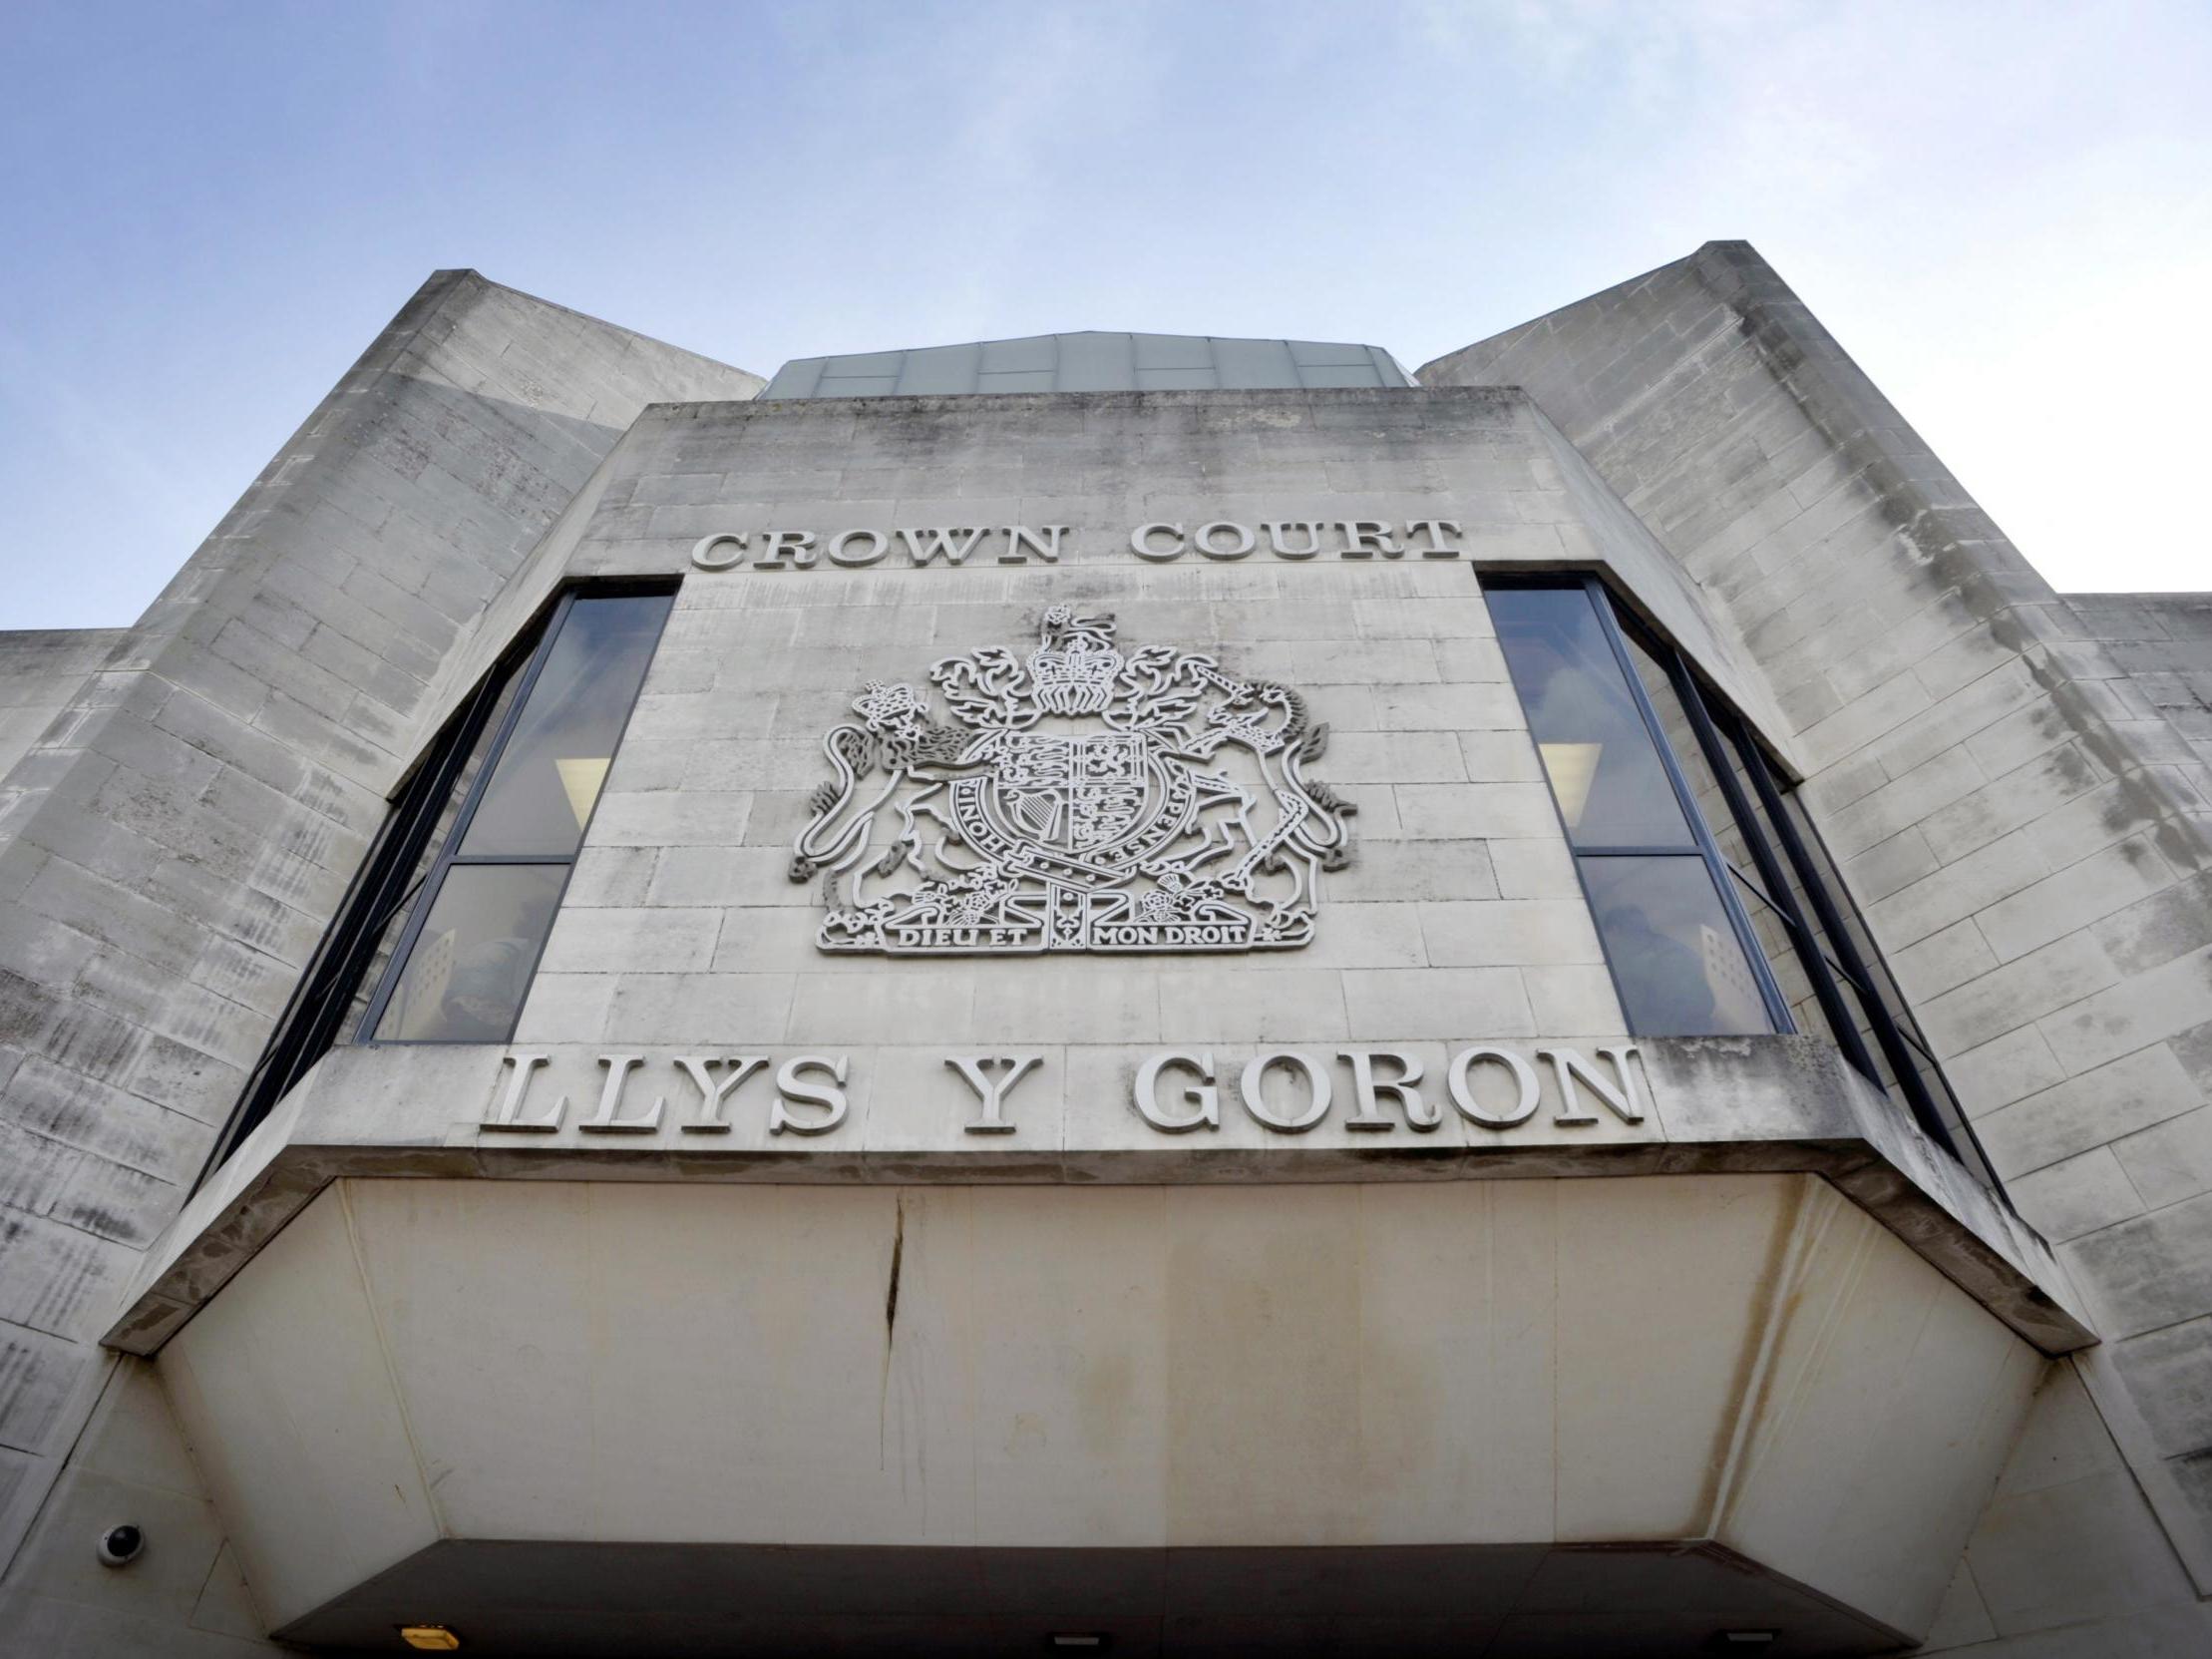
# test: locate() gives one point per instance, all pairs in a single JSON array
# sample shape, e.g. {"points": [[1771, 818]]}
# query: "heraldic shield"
{"points": [[1081, 800]]}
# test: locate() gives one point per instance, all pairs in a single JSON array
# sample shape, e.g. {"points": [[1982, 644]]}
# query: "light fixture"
{"points": [[1572, 767], [429, 1638], [1072, 1639], [582, 780]]}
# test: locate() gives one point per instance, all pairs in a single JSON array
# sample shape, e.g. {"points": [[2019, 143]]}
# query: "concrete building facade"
{"points": [[1179, 994]]}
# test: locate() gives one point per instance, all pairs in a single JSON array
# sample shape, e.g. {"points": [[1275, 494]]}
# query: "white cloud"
{"points": [[2001, 209]]}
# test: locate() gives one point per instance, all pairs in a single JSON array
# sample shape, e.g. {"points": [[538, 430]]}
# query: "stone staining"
{"points": [[1082, 799]]}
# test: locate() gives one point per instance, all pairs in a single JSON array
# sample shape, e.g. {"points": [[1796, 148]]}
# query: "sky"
{"points": [[2004, 211]]}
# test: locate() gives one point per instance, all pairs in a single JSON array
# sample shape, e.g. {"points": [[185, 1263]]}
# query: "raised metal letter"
{"points": [[1419, 1115], [610, 1101], [507, 1114], [1204, 539], [1207, 1098], [789, 1089], [781, 549], [1571, 1067], [710, 1120], [719, 553], [1365, 538], [1434, 530], [876, 548], [1140, 542], [1045, 545], [1463, 1094], [992, 1094], [925, 544], [1316, 1082]]}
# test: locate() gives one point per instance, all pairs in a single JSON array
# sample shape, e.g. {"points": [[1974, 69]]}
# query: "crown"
{"points": [[885, 706], [1074, 665]]}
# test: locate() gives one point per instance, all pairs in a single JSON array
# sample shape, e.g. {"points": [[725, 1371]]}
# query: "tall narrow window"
{"points": [[1680, 947], [1718, 908], [479, 917], [440, 932]]}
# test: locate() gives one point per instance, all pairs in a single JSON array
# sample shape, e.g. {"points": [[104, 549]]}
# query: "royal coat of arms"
{"points": [[1081, 800]]}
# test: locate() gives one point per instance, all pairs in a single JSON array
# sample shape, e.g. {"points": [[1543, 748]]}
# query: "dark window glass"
{"points": [[553, 765], [548, 754], [1715, 919], [472, 961], [386, 935], [1674, 936], [1713, 801], [1778, 940], [1605, 770], [479, 916], [1747, 790], [1911, 1069], [1939, 1090], [472, 768], [1862, 942], [1680, 738], [385, 916], [1673, 949]]}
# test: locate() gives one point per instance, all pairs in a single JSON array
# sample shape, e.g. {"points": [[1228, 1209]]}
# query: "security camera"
{"points": [[121, 1545]]}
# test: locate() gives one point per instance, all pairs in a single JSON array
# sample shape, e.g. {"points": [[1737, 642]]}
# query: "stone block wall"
{"points": [[176, 838], [2161, 645], [2021, 818], [2015, 782], [2067, 1562], [185, 1597], [40, 672], [1460, 916]]}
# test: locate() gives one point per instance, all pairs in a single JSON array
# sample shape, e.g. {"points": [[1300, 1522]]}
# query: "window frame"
{"points": [[450, 855], [315, 1019], [1702, 845], [1841, 973]]}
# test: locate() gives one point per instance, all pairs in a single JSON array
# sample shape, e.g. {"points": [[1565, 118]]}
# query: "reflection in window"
{"points": [[552, 764], [1605, 772], [384, 910], [460, 884], [1679, 947], [472, 960], [1718, 908], [479, 916], [1673, 949]]}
